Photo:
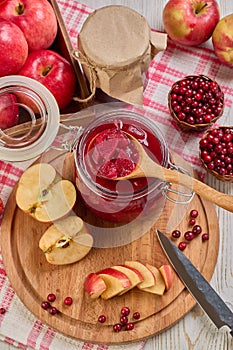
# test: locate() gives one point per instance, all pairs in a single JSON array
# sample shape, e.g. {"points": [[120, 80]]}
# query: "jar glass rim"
{"points": [[50, 116], [128, 115]]}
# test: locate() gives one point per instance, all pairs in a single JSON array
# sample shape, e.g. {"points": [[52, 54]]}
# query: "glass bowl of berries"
{"points": [[216, 152], [195, 102]]}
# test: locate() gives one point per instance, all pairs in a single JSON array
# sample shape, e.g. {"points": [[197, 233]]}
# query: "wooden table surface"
{"points": [[195, 331]]}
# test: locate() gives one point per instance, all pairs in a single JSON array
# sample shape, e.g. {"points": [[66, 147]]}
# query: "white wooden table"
{"points": [[195, 331]]}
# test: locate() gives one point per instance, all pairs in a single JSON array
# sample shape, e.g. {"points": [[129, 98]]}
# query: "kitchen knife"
{"points": [[197, 285]]}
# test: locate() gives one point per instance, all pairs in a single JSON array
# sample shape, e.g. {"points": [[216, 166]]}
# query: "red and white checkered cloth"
{"points": [[18, 326]]}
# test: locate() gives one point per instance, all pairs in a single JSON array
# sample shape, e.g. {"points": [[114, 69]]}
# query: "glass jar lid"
{"points": [[29, 118]]}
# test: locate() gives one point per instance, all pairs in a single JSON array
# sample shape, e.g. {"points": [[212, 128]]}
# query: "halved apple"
{"points": [[45, 195], [116, 282], [166, 273], [66, 241], [159, 286], [134, 276], [148, 277], [94, 285]]}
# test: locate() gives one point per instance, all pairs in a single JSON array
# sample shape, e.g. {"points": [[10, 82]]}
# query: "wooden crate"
{"points": [[63, 45]]}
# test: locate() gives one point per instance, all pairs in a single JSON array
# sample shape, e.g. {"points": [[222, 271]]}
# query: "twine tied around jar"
{"points": [[83, 60]]}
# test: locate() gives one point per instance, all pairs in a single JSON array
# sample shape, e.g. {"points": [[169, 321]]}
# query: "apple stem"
{"points": [[20, 8], [46, 70], [200, 8]]}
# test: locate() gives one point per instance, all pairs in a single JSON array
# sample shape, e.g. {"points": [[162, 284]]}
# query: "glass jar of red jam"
{"points": [[105, 151]]}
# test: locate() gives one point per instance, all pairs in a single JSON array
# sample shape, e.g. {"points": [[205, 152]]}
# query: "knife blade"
{"points": [[197, 285]]}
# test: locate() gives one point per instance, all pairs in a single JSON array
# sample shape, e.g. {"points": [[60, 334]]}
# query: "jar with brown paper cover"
{"points": [[115, 48]]}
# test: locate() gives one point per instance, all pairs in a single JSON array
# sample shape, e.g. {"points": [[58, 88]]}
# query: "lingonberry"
{"points": [[51, 297], [125, 311], [205, 237], [45, 305], [194, 213], [129, 326], [207, 158], [53, 310], [176, 234], [68, 301], [117, 327], [196, 230], [136, 315], [218, 149], [192, 222], [182, 245], [211, 166], [124, 319], [189, 235], [102, 318]]}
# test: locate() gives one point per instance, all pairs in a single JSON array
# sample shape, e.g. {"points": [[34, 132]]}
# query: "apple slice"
{"points": [[42, 194], [116, 282], [134, 276], [148, 277], [159, 286], [94, 285], [66, 241], [166, 273]]}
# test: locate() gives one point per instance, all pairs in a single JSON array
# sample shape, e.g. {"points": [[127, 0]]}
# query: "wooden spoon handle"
{"points": [[223, 200]]}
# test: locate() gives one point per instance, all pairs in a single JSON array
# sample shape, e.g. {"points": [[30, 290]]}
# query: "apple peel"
{"points": [[148, 277], [119, 279], [134, 276], [44, 195], [166, 273], [116, 282], [66, 241], [94, 285], [159, 286]]}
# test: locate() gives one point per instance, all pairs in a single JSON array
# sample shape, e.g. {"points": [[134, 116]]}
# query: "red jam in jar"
{"points": [[112, 154], [105, 151]]}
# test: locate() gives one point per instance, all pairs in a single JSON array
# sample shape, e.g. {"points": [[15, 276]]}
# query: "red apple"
{"points": [[54, 72], [116, 282], [148, 277], [8, 111], [222, 39], [36, 19], [166, 273], [190, 22], [138, 273], [134, 276], [159, 286], [13, 48], [94, 285]]}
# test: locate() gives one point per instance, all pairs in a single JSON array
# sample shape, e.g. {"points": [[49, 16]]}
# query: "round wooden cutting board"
{"points": [[33, 278]]}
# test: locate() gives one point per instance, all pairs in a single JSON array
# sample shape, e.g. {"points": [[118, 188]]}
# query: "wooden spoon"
{"points": [[149, 168]]}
